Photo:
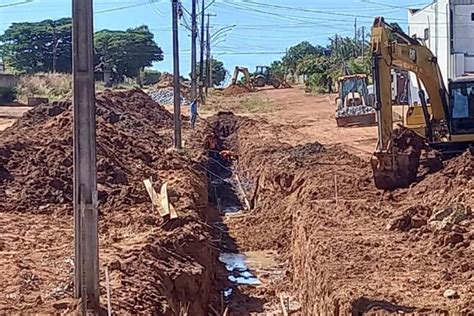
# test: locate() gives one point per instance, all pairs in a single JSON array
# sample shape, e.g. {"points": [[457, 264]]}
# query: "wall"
{"points": [[463, 28], [7, 80], [434, 17]]}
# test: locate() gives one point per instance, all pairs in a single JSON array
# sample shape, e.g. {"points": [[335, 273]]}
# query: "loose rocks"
{"points": [[355, 111], [165, 96]]}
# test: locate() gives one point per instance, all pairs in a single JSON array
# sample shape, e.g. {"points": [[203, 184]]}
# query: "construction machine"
{"points": [[263, 76], [354, 103], [248, 82], [447, 114]]}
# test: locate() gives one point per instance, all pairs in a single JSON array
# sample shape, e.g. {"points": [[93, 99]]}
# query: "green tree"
{"points": [[35, 47], [297, 53], [219, 72], [278, 69], [151, 76], [127, 52]]}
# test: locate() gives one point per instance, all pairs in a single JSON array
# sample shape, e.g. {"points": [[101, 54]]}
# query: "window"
{"points": [[427, 34], [472, 16]]}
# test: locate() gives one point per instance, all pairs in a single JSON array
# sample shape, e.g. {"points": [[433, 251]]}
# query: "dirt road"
{"points": [[313, 118], [8, 115]]}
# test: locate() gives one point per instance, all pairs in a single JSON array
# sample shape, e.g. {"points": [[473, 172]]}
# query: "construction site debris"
{"points": [[446, 218], [36, 152], [451, 294], [354, 111]]}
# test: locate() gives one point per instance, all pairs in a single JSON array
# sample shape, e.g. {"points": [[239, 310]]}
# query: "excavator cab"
{"points": [[461, 111]]}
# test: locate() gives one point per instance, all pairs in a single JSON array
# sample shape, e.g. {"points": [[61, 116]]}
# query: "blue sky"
{"points": [[263, 28]]}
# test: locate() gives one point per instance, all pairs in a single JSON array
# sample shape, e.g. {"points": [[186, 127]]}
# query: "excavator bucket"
{"points": [[393, 171], [397, 167]]}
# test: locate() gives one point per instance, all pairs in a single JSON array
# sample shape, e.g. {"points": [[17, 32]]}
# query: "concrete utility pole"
{"points": [[355, 38], [208, 56], [176, 80], [363, 42], [193, 50], [86, 261], [201, 64]]}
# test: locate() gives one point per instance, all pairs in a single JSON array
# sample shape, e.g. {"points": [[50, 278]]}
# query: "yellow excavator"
{"points": [[447, 116]]}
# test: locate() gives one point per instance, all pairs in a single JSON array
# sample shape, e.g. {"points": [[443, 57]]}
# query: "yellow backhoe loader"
{"points": [[249, 81], [448, 115]]}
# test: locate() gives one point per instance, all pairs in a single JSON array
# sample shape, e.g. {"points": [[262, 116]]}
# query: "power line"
{"points": [[126, 7], [408, 6], [314, 10], [15, 4]]}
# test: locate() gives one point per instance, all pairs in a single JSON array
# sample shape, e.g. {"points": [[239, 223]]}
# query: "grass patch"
{"points": [[46, 85], [243, 104], [258, 105]]}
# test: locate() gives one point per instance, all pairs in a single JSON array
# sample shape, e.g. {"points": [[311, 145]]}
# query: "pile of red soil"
{"points": [[36, 153], [236, 90], [156, 266]]}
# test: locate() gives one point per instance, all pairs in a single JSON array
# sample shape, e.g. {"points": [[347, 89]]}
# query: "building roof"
{"points": [[413, 11], [467, 78]]}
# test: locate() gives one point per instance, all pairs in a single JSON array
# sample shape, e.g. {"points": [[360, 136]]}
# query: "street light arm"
{"points": [[224, 29]]}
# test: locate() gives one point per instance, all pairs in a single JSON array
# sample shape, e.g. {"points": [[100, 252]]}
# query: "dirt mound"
{"points": [[36, 152], [236, 90], [167, 81], [156, 266]]}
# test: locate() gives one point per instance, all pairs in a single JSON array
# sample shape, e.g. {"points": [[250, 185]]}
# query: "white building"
{"points": [[447, 27]]}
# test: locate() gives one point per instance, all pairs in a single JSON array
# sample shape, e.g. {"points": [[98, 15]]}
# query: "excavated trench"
{"points": [[249, 272], [334, 238]]}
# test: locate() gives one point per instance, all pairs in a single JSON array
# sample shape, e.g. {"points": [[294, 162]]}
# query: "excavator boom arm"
{"points": [[391, 48], [396, 158]]}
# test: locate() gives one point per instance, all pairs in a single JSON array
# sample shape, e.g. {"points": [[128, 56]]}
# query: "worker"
{"points": [[330, 85], [228, 155], [211, 146], [193, 109]]}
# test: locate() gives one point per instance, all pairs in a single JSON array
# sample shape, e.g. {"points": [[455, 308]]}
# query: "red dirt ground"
{"points": [[156, 266], [366, 251]]}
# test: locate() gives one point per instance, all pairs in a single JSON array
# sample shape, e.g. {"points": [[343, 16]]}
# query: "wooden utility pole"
{"points": [[201, 64], [176, 80], [193, 50], [86, 261]]}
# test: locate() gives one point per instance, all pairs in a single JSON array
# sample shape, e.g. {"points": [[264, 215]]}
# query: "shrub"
{"points": [[7, 94]]}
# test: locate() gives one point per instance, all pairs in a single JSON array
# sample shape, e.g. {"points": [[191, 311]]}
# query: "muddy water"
{"points": [[236, 264], [247, 274]]}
